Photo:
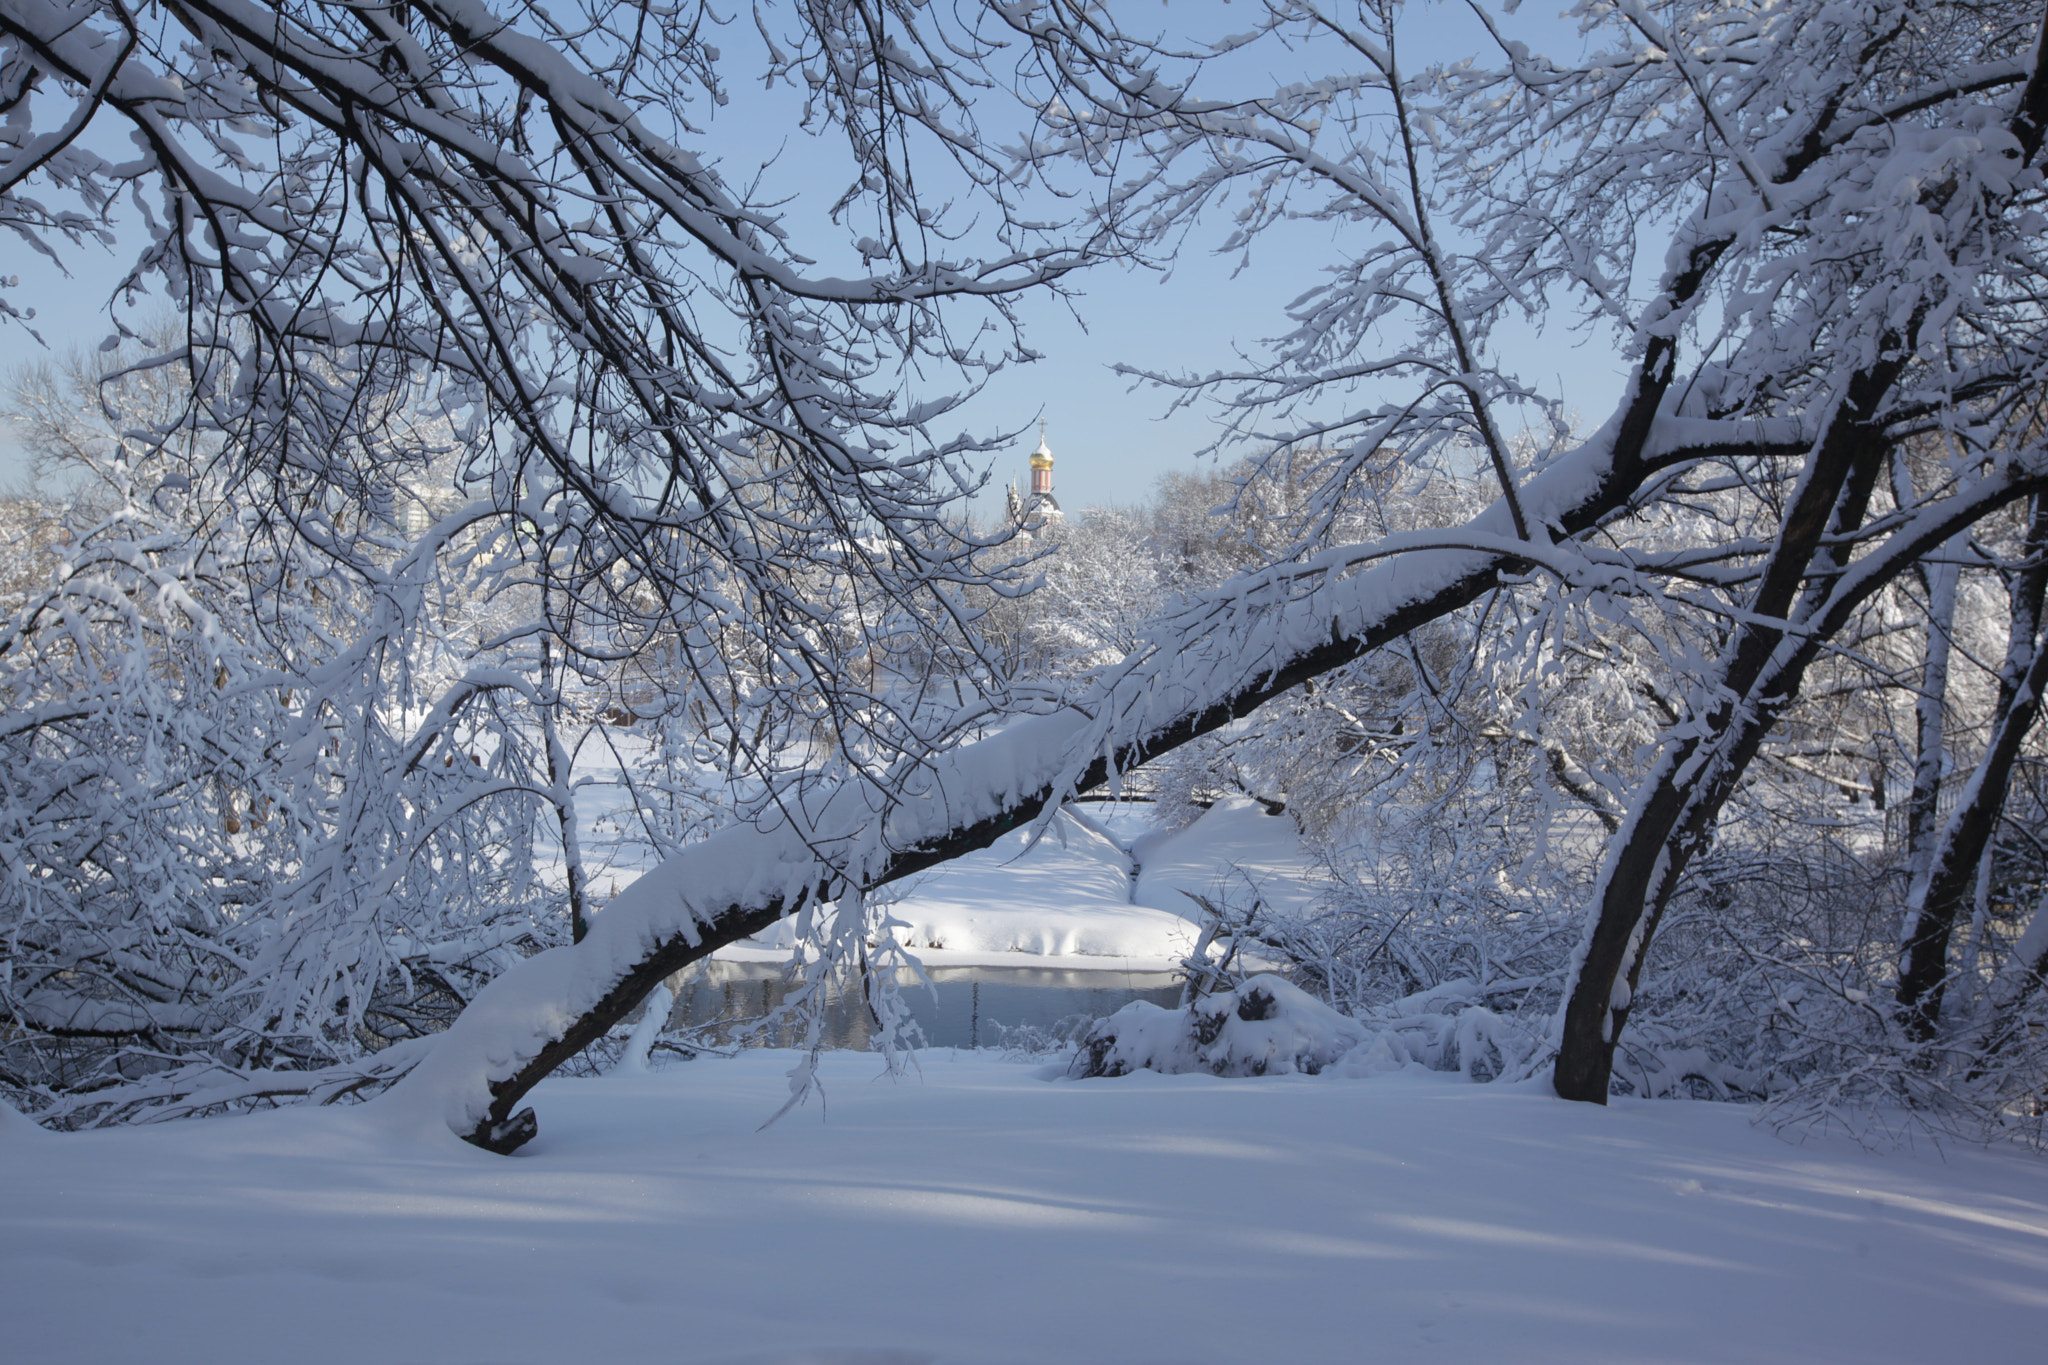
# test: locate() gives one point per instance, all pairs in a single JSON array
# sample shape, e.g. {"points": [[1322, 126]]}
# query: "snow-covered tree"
{"points": [[1848, 204], [269, 803], [690, 454], [1814, 228]]}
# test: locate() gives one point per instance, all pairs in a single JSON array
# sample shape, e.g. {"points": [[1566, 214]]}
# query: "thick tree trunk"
{"points": [[632, 969], [1942, 890]]}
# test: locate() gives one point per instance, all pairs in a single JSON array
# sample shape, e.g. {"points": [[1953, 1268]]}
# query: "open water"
{"points": [[963, 1007]]}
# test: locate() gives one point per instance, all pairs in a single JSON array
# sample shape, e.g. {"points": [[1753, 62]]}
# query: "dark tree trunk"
{"points": [[1941, 892], [1672, 819]]}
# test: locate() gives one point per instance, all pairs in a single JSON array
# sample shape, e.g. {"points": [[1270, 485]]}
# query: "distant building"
{"points": [[1039, 506]]}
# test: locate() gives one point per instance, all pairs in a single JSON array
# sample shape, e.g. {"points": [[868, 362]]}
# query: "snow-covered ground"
{"points": [[984, 1215], [991, 1212]]}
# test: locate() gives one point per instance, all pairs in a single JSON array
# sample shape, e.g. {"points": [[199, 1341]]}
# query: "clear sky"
{"points": [[1111, 441]]}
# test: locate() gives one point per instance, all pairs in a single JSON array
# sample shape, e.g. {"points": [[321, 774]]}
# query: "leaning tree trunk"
{"points": [[1707, 751], [1211, 662], [745, 878], [1760, 674], [1941, 891]]}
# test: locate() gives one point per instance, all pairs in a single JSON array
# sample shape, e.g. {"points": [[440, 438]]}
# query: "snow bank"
{"points": [[1233, 853], [1266, 1027], [1066, 895]]}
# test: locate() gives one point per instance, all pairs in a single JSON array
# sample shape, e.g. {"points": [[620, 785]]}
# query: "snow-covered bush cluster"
{"points": [[270, 804], [1266, 1026]]}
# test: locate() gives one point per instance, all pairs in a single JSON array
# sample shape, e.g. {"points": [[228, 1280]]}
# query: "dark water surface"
{"points": [[971, 1006]]}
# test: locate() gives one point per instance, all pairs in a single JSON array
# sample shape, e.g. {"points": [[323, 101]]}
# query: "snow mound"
{"points": [[1066, 895], [1266, 1027], [1234, 853], [15, 1125]]}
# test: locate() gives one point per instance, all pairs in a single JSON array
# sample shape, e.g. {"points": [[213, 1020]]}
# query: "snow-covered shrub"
{"points": [[1266, 1027], [270, 809]]}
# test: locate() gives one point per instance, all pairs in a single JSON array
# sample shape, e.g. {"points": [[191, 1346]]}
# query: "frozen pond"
{"points": [[970, 1006]]}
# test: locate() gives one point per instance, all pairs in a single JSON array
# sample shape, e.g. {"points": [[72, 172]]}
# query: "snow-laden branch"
{"points": [[1209, 662]]}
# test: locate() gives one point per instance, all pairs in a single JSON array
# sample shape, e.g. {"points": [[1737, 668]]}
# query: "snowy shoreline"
{"points": [[1099, 891], [950, 959]]}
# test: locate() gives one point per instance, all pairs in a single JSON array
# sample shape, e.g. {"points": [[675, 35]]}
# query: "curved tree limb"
{"points": [[1210, 662]]}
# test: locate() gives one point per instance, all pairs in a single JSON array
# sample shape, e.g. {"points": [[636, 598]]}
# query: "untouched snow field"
{"points": [[985, 1215]]}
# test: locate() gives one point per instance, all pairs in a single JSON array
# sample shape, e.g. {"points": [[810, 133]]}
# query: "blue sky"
{"points": [[1112, 441]]}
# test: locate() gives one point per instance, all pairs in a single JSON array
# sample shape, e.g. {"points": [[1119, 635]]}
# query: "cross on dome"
{"points": [[1041, 458]]}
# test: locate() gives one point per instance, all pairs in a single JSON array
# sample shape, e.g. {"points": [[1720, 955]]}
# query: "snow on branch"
{"points": [[1210, 662]]}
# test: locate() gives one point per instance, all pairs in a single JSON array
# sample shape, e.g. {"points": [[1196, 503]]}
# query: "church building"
{"points": [[1040, 505]]}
